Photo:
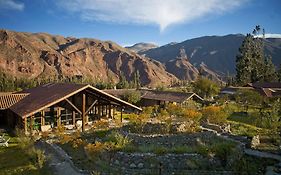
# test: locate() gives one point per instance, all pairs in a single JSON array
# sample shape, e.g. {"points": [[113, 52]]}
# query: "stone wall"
{"points": [[149, 163]]}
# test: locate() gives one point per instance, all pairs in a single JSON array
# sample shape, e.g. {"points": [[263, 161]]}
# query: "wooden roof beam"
{"points": [[92, 105], [71, 104]]}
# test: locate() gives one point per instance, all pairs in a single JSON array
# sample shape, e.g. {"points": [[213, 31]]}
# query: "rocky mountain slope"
{"points": [[218, 52], [33, 55]]}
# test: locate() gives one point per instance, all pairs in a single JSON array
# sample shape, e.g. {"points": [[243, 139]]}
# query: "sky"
{"points": [[127, 22]]}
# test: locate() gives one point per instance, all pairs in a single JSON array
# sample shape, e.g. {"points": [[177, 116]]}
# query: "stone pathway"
{"points": [[58, 160]]}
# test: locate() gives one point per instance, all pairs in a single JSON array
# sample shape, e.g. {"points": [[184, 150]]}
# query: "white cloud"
{"points": [[270, 35], [11, 4], [160, 12]]}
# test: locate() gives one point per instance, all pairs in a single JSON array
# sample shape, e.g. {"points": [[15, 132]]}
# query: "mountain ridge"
{"points": [[218, 52]]}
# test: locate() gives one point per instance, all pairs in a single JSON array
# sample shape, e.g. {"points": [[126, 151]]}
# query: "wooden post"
{"points": [[83, 111], [42, 118], [25, 125], [100, 111], [114, 108], [106, 112], [110, 111], [31, 125], [102, 108], [73, 118], [58, 116], [121, 114]]}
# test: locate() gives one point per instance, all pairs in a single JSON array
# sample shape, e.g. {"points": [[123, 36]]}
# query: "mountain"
{"points": [[184, 70], [218, 52], [40, 55], [141, 47]]}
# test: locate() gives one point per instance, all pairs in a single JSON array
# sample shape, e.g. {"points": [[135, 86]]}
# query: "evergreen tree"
{"points": [[279, 73], [136, 80], [123, 83], [269, 70], [244, 64], [251, 63]]}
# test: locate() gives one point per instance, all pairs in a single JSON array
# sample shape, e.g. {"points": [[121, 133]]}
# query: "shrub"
{"points": [[174, 109], [119, 140], [192, 114], [160, 150], [132, 96], [148, 110], [214, 114], [25, 142], [100, 124], [95, 150], [37, 156]]}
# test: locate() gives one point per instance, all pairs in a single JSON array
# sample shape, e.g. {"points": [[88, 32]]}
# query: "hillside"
{"points": [[218, 52], [35, 55]]}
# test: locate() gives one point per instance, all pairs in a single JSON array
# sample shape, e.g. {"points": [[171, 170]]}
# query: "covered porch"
{"points": [[50, 106]]}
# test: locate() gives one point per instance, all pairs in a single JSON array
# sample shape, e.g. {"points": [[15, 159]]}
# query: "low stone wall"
{"points": [[149, 163], [171, 140]]}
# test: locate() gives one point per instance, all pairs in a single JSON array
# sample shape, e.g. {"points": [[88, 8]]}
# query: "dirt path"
{"points": [[58, 160]]}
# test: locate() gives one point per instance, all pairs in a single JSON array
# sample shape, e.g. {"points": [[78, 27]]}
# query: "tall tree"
{"points": [[269, 70], [244, 61], [251, 63], [279, 73]]}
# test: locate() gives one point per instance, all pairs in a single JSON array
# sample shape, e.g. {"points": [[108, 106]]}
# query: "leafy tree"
{"points": [[248, 97], [205, 87], [132, 96]]}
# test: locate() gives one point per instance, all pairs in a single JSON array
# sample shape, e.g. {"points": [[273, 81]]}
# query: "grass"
{"points": [[14, 160], [239, 128]]}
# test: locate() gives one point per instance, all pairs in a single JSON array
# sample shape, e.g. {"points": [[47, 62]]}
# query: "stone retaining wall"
{"points": [[149, 163]]}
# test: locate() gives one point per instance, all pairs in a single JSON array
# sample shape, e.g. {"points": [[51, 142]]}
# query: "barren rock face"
{"points": [[33, 55]]}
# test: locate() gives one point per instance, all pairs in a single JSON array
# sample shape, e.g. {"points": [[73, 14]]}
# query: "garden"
{"points": [[165, 141]]}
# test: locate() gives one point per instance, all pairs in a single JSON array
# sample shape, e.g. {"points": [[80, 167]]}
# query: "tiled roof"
{"points": [[9, 99]]}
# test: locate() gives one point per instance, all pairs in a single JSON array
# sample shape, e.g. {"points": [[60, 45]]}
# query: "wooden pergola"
{"points": [[48, 104]]}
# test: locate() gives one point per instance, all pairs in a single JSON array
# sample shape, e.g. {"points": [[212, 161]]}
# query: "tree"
{"points": [[244, 61], [132, 96], [279, 73], [205, 87], [269, 70], [123, 83], [136, 80], [248, 97], [251, 63]]}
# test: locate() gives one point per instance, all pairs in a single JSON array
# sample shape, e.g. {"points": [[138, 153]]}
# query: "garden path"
{"points": [[58, 160]]}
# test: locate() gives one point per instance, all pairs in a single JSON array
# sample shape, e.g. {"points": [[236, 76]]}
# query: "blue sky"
{"points": [[131, 21]]}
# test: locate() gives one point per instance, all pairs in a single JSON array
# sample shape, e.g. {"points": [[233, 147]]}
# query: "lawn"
{"points": [[14, 161]]}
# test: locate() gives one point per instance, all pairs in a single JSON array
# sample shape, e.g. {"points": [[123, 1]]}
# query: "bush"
{"points": [[214, 114], [192, 114], [120, 141], [94, 151], [174, 109], [132, 96]]}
